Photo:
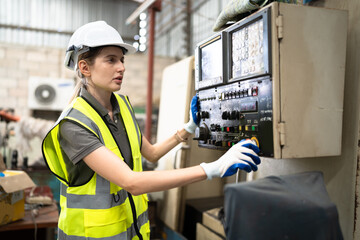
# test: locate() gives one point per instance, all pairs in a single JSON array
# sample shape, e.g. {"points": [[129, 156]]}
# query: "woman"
{"points": [[95, 147]]}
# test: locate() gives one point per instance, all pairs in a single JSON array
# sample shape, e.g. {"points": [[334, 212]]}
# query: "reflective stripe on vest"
{"points": [[98, 195], [132, 115], [75, 114], [94, 201], [129, 234]]}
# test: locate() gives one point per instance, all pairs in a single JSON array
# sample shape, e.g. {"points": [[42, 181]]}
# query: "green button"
{"points": [[253, 128]]}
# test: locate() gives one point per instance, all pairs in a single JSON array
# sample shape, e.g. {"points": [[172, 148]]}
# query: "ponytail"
{"points": [[89, 57], [81, 82], [76, 91]]}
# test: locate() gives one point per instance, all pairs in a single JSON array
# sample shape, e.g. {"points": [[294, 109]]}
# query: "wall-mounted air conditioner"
{"points": [[49, 93]]}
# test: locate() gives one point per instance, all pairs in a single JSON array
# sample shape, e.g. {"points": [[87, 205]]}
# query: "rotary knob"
{"points": [[205, 114], [225, 115], [198, 115], [202, 133], [233, 115]]}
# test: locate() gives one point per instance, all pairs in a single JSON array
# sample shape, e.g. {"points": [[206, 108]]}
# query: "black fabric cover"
{"points": [[291, 207]]}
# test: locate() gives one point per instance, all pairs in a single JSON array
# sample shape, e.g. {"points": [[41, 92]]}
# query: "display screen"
{"points": [[248, 50], [212, 61]]}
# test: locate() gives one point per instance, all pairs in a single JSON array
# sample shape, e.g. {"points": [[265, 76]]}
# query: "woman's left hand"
{"points": [[194, 120]]}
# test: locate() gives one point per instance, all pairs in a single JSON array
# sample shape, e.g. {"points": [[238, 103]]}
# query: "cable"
{"points": [[34, 212]]}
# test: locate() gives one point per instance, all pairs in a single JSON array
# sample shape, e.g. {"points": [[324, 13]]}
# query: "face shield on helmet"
{"points": [[94, 34]]}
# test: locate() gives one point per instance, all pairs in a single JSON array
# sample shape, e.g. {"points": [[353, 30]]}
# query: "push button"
{"points": [[218, 143], [254, 91], [218, 128], [245, 93]]}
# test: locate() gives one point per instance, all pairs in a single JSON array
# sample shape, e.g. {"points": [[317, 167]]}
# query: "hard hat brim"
{"points": [[130, 49], [90, 35]]}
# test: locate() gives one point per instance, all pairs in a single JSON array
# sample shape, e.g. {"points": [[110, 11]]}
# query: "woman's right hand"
{"points": [[242, 155]]}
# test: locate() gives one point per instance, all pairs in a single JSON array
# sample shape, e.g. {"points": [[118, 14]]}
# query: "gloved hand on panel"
{"points": [[242, 155], [194, 120]]}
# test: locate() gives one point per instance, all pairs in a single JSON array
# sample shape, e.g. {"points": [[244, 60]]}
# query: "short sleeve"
{"points": [[76, 141]]}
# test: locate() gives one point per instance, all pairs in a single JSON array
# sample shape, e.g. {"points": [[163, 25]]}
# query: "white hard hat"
{"points": [[93, 34]]}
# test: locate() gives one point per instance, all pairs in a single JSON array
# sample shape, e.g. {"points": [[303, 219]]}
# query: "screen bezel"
{"points": [[199, 82]]}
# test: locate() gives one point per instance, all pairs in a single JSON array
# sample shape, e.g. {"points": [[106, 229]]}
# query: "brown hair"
{"points": [[89, 57]]}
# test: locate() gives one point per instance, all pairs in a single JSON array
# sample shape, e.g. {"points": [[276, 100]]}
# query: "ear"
{"points": [[84, 68]]}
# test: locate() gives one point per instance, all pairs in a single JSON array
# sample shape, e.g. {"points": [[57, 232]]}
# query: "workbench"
{"points": [[44, 225]]}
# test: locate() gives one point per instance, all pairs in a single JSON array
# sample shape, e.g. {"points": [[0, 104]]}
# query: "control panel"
{"points": [[236, 111], [271, 79], [234, 86]]}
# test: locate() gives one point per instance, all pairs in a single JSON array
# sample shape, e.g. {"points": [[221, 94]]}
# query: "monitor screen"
{"points": [[211, 61], [247, 50]]}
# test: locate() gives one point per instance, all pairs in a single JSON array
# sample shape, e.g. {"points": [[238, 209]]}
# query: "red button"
{"points": [[255, 91]]}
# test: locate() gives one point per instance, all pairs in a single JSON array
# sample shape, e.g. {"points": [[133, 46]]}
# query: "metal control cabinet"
{"points": [[279, 79]]}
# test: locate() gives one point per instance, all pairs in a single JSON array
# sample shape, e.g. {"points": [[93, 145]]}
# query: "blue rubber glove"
{"points": [[194, 121], [242, 155]]}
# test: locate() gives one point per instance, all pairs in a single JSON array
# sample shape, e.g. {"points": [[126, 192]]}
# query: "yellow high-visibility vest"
{"points": [[99, 208]]}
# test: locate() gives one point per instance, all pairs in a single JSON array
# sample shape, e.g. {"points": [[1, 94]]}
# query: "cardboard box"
{"points": [[203, 233], [211, 221], [12, 200]]}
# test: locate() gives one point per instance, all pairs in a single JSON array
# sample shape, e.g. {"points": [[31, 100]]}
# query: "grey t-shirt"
{"points": [[76, 142]]}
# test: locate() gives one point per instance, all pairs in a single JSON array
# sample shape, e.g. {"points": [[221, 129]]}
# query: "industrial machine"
{"points": [[276, 77]]}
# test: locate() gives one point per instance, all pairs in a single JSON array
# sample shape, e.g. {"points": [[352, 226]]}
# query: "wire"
{"points": [[237, 176], [34, 212]]}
